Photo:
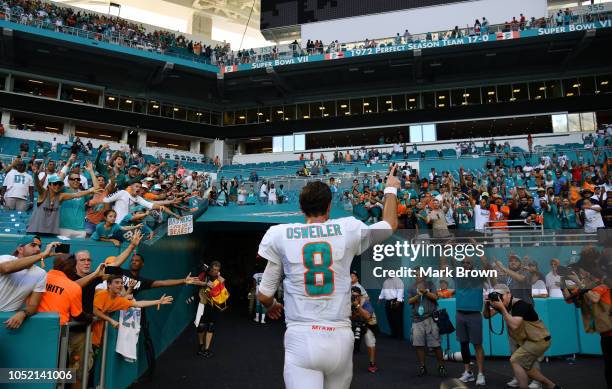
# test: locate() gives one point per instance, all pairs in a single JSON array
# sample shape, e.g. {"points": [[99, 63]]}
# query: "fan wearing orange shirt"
{"points": [[110, 300], [498, 213], [62, 295]]}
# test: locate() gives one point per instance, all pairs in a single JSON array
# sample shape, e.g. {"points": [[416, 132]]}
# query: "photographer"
{"points": [[363, 321], [584, 285], [425, 333], [526, 331]]}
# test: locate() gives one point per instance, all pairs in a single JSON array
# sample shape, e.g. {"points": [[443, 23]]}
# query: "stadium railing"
{"points": [[291, 50], [274, 52], [107, 37]]}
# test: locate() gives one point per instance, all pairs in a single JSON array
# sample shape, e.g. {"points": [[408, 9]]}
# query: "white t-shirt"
{"points": [[272, 195], [481, 217], [592, 220], [123, 200], [539, 288], [263, 191], [316, 260], [16, 287], [527, 170], [191, 183], [17, 184], [242, 194], [551, 283]]}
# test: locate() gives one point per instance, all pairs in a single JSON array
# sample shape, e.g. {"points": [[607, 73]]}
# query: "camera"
{"points": [[495, 296]]}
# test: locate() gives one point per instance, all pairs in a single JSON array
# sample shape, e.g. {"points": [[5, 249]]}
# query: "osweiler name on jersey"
{"points": [[316, 260]]}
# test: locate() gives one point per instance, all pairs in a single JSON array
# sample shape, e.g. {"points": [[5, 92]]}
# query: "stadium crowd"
{"points": [[116, 197], [117, 30], [106, 28], [108, 194]]}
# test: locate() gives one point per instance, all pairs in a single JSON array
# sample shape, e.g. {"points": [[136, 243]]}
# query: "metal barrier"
{"points": [[519, 236], [102, 382], [63, 363], [491, 226]]}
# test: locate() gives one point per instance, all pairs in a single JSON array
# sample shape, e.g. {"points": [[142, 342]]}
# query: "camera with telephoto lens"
{"points": [[495, 296]]}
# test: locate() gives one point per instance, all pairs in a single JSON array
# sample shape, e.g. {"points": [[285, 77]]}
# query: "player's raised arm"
{"points": [[390, 208]]}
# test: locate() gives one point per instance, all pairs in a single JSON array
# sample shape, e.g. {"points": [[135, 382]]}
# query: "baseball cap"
{"points": [[27, 239], [145, 185], [149, 179], [156, 187], [110, 260], [135, 167], [485, 194], [540, 189], [54, 178]]}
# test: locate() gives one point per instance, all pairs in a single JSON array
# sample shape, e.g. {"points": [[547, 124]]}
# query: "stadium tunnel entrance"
{"points": [[235, 245]]}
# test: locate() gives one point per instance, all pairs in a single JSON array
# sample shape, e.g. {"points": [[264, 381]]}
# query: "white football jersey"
{"points": [[316, 261]]}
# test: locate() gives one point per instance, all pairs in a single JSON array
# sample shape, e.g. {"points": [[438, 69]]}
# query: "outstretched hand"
{"points": [[392, 180]]}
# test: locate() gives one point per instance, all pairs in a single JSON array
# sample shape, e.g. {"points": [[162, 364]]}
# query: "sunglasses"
{"points": [[57, 183], [74, 179]]}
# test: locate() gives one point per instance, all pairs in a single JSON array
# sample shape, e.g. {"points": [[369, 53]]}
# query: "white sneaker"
{"points": [[535, 385], [467, 376], [513, 384], [480, 380]]}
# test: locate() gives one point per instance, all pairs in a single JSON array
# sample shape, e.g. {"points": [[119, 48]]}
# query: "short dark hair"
{"points": [[113, 277], [66, 263], [315, 199], [215, 264], [139, 256]]}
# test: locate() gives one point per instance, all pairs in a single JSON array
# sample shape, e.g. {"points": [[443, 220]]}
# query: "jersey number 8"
{"points": [[319, 276]]}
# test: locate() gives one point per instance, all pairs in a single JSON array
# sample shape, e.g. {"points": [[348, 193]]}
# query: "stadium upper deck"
{"points": [[154, 91]]}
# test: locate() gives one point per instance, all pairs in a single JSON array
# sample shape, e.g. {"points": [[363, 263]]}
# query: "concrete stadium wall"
{"points": [[421, 20]]}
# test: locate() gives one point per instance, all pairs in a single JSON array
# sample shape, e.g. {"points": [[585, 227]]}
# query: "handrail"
{"points": [[107, 37], [493, 225], [102, 382], [291, 50], [63, 362], [521, 239]]}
